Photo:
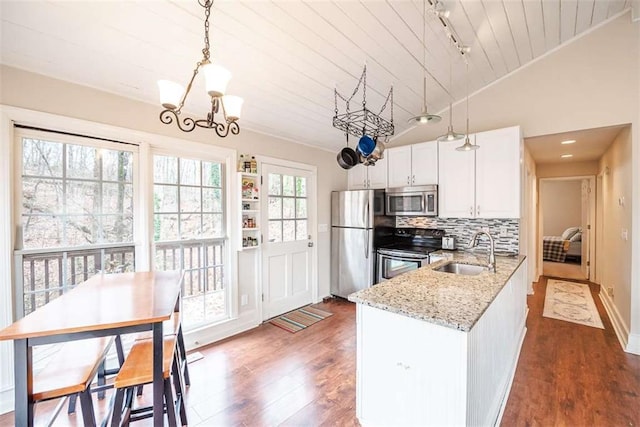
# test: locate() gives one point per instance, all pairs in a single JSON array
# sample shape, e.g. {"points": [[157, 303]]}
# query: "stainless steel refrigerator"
{"points": [[353, 218]]}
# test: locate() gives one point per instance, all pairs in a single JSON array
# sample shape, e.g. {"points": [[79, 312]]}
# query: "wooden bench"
{"points": [[71, 372], [136, 371]]}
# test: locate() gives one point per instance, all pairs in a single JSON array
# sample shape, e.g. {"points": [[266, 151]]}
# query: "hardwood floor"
{"points": [[568, 374], [572, 375]]}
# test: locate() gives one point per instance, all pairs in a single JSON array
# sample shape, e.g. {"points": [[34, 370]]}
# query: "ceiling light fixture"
{"points": [[566, 156], [467, 146], [568, 141], [424, 117], [173, 95], [451, 135]]}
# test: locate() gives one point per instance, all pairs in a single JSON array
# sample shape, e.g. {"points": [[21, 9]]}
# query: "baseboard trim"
{"points": [[512, 375], [205, 336], [633, 346], [621, 330]]}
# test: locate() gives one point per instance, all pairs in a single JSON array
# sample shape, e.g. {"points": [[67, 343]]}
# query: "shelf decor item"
{"points": [[173, 95]]}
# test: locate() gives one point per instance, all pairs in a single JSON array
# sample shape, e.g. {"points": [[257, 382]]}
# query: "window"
{"points": [[189, 233], [287, 208], [76, 213]]}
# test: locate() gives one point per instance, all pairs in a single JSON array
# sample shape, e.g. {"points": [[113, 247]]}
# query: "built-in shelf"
{"points": [[249, 184]]}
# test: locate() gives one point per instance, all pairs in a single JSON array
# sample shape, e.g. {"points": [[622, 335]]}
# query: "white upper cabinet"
{"points": [[484, 183], [415, 164], [362, 177], [456, 187], [498, 173]]}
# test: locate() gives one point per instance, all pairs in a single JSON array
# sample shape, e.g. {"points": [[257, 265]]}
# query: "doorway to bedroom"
{"points": [[567, 218]]}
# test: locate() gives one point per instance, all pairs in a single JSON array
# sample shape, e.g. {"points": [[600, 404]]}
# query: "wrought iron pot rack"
{"points": [[364, 121]]}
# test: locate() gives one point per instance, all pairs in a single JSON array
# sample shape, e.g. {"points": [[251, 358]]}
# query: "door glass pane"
{"points": [[275, 184], [275, 208], [301, 229], [211, 200], [301, 208], [301, 186], [190, 226], [288, 185], [288, 231], [288, 208], [275, 231]]}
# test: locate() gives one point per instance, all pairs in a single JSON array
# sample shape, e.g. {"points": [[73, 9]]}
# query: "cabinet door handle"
{"points": [[471, 210], [408, 179], [413, 179], [478, 210]]}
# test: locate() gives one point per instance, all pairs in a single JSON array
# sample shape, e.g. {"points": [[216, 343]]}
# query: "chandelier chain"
{"points": [[207, 14]]}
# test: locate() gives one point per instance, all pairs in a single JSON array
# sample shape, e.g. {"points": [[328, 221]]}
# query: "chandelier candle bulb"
{"points": [[216, 79], [170, 94], [232, 106]]}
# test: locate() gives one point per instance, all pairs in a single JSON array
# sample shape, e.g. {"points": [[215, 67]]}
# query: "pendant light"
{"points": [[467, 146], [451, 135], [424, 117]]}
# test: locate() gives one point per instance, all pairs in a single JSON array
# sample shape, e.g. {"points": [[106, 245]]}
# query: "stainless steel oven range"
{"points": [[407, 249]]}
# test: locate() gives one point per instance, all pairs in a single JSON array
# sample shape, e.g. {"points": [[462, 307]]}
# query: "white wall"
{"points": [[562, 204], [616, 165]]}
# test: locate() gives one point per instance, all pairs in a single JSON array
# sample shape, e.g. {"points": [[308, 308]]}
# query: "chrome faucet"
{"points": [[492, 247]]}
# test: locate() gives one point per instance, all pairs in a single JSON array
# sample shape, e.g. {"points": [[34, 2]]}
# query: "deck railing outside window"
{"points": [[203, 287], [48, 273]]}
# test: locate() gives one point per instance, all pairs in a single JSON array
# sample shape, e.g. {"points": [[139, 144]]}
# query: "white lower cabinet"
{"points": [[412, 372]]}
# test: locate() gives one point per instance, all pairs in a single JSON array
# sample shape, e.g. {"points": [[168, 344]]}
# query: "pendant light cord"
{"points": [[424, 53], [467, 72]]}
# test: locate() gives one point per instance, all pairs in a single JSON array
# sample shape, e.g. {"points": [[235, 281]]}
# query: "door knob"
{"points": [[310, 244]]}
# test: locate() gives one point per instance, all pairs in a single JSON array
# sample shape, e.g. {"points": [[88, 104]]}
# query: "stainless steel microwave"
{"points": [[412, 201]]}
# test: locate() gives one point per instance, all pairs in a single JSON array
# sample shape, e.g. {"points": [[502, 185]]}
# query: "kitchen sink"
{"points": [[465, 269]]}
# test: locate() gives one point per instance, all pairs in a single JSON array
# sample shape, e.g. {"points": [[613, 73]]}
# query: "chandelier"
{"points": [[173, 95]]}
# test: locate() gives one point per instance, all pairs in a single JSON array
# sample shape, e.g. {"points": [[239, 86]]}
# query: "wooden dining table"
{"points": [[104, 305]]}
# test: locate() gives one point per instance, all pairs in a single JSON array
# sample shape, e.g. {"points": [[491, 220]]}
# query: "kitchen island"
{"points": [[437, 348]]}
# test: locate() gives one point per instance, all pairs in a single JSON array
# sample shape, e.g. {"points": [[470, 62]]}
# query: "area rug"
{"points": [[571, 302], [300, 319]]}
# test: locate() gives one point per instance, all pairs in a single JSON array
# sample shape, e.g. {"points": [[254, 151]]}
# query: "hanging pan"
{"points": [[347, 157]]}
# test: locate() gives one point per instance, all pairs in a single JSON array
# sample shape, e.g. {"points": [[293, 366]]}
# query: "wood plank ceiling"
{"points": [[288, 56]]}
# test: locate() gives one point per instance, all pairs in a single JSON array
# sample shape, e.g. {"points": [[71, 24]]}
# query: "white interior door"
{"points": [[287, 250]]}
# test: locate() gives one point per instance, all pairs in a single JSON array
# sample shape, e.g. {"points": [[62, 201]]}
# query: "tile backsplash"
{"points": [[504, 231]]}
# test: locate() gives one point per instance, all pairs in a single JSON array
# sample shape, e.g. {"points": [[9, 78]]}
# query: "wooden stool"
{"points": [[172, 327], [136, 371], [71, 372]]}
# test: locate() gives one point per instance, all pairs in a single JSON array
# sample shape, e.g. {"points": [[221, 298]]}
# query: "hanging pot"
{"points": [[347, 158], [366, 145], [378, 151]]}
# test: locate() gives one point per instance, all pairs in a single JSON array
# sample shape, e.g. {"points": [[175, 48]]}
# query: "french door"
{"points": [[288, 206]]}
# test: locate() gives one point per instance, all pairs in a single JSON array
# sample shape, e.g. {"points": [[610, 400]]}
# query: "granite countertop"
{"points": [[452, 300]]}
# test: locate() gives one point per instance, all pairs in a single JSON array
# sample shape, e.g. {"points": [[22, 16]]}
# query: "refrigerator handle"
{"points": [[366, 243], [366, 217]]}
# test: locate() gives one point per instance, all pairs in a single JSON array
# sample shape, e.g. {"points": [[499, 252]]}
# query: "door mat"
{"points": [[571, 302], [300, 319]]}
